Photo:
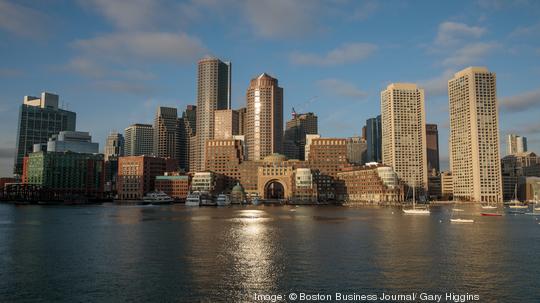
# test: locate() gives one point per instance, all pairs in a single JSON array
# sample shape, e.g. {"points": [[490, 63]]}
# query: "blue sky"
{"points": [[114, 62]]}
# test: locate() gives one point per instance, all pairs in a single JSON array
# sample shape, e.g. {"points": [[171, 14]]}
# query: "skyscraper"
{"points": [[39, 119], [226, 124], [474, 136], [213, 93], [432, 144], [186, 129], [373, 137], [356, 150], [242, 121], [404, 133], [166, 136], [516, 144], [139, 140], [294, 139], [114, 146], [264, 123]]}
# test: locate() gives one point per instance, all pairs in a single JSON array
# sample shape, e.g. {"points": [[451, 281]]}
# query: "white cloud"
{"points": [[282, 18], [10, 72], [526, 31], [470, 53], [156, 46], [341, 88], [451, 33], [21, 20], [346, 53], [525, 101]]}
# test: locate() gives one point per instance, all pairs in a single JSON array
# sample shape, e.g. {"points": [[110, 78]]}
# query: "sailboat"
{"points": [[515, 204], [414, 210], [488, 206]]}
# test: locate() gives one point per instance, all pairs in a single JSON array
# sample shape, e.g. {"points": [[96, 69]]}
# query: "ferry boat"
{"points": [[199, 199], [223, 200], [157, 197]]}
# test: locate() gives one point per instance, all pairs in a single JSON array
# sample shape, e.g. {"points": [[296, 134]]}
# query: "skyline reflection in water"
{"points": [[175, 253]]}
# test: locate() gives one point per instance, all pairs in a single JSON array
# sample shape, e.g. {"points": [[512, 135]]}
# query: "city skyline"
{"points": [[341, 75]]}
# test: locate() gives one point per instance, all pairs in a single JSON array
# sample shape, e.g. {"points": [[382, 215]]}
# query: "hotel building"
{"points": [[474, 136]]}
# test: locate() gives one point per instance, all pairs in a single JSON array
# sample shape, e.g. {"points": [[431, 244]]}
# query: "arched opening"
{"points": [[274, 191]]}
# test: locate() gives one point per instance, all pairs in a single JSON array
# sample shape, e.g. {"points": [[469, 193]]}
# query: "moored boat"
{"points": [[157, 197], [223, 200]]}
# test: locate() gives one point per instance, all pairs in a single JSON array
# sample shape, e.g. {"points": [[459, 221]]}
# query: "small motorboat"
{"points": [[457, 220], [491, 214]]}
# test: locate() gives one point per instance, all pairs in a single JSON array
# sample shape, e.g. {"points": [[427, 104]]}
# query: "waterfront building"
{"points": [[139, 140], [404, 133], [515, 144], [77, 142], [356, 150], [213, 93], [39, 119], [447, 186], [309, 139], [175, 185], [373, 183], [68, 174], [226, 124], [206, 182], [434, 186], [432, 145], [328, 156], [515, 166], [529, 189], [114, 146], [223, 157], [166, 135], [294, 138], [264, 123], [305, 186], [186, 129], [474, 136], [137, 175], [372, 132]]}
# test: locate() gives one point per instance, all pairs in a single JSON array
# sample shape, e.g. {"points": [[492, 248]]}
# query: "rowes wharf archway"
{"points": [[274, 190]]}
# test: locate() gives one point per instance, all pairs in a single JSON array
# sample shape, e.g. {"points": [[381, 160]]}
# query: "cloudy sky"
{"points": [[114, 61]]}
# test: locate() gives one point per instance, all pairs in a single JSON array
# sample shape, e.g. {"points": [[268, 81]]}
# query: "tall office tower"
{"points": [[356, 150], [516, 144], [139, 140], [373, 135], [39, 119], [241, 121], [186, 130], [404, 133], [213, 93], [114, 146], [432, 144], [264, 123], [294, 139], [166, 137], [474, 136], [226, 124]]}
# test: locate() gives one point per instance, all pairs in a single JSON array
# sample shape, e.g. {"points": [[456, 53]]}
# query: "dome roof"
{"points": [[275, 158], [238, 188]]}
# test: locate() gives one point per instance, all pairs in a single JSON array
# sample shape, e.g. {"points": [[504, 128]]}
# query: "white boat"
{"points": [[255, 201], [157, 197], [414, 210], [462, 220], [515, 203], [198, 199], [223, 200]]}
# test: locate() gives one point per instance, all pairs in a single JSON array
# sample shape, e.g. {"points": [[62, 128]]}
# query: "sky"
{"points": [[114, 61]]}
